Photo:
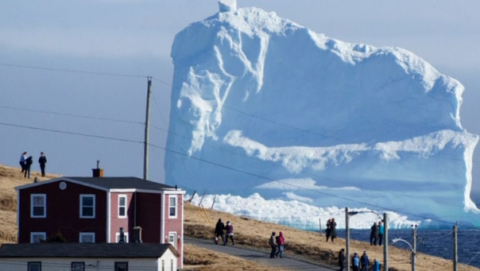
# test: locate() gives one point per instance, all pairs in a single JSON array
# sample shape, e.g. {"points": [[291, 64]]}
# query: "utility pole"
{"points": [[385, 242], [347, 237], [147, 126], [455, 248], [414, 251]]}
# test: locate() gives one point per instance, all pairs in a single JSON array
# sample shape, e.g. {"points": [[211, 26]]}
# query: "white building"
{"points": [[87, 257]]}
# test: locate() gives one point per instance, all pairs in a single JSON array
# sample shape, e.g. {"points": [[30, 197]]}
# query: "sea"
{"points": [[437, 242]]}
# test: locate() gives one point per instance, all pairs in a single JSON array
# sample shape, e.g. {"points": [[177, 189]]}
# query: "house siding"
{"points": [[62, 212], [149, 216], [55, 264], [126, 223], [175, 224]]}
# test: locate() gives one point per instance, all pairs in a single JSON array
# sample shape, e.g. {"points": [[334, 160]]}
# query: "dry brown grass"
{"points": [[247, 232], [311, 245], [196, 258]]}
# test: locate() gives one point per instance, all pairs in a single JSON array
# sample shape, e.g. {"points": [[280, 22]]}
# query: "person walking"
{"points": [[219, 229], [327, 230], [355, 262], [376, 265], [381, 230], [341, 259], [374, 234], [364, 261], [333, 229], [42, 161], [280, 243], [273, 245], [23, 157], [28, 165], [229, 230]]}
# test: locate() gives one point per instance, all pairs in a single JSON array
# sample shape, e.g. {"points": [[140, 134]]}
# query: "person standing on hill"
{"points": [[273, 245], [219, 228], [364, 261], [280, 243], [333, 229], [42, 161], [23, 157], [327, 230], [381, 230], [229, 229], [376, 265], [355, 262], [374, 234], [341, 259], [28, 164]]}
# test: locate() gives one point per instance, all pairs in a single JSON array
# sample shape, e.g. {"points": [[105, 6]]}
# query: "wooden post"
{"points": [[385, 242], [455, 248], [347, 237], [147, 126]]}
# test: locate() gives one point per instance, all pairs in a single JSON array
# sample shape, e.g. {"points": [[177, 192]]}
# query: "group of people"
{"points": [[376, 234], [225, 231], [277, 243], [27, 161], [331, 230], [358, 263]]}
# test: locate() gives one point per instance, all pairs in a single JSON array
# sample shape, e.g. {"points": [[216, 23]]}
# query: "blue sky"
{"points": [[134, 37]]}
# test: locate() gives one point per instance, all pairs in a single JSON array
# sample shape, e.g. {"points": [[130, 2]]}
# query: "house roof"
{"points": [[122, 183], [110, 183], [81, 250]]}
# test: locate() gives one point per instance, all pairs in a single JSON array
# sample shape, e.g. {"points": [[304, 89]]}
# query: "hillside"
{"points": [[199, 223]]}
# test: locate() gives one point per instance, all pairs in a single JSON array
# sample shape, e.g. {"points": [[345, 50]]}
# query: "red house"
{"points": [[92, 210]]}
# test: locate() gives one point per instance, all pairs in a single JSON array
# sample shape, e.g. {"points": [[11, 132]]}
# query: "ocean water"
{"points": [[433, 242], [438, 242]]}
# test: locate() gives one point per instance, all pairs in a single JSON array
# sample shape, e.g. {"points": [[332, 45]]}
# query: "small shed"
{"points": [[87, 257]]}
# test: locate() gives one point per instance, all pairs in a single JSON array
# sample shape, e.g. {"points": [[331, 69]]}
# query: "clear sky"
{"points": [[134, 37]]}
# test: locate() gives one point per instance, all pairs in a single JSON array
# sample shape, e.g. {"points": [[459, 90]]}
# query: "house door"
{"points": [[172, 239]]}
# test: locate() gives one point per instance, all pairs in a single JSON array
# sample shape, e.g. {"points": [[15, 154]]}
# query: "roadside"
{"points": [[258, 256]]}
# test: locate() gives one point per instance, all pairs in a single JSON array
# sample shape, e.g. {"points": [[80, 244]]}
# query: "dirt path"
{"points": [[260, 257]]}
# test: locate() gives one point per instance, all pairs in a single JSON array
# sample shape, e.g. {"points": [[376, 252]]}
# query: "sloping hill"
{"points": [[199, 223], [10, 177]]}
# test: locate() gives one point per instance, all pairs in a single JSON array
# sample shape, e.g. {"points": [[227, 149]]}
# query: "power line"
{"points": [[69, 133], [72, 71], [70, 115]]}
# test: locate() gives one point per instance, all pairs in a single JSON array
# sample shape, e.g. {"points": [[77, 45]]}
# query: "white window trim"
{"points": [[175, 237], [126, 213], [117, 237], [81, 205], [44, 196], [82, 234], [37, 233], [176, 206]]}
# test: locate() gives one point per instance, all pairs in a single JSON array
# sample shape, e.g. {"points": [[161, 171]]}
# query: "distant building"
{"points": [[93, 209], [87, 257]]}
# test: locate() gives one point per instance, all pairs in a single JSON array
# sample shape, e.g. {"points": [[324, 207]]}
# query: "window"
{"points": [[122, 206], [87, 237], [78, 266], [36, 237], [87, 206], [163, 265], [118, 237], [38, 207], [173, 207], [121, 266], [172, 239], [171, 265], [34, 266]]}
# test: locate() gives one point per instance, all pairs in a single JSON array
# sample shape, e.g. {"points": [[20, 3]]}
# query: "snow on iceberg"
{"points": [[298, 214], [263, 105]]}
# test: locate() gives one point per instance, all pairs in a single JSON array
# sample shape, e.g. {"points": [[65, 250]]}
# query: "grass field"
{"points": [[199, 223]]}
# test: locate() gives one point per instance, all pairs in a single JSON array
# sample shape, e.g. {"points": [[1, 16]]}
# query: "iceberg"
{"points": [[260, 104]]}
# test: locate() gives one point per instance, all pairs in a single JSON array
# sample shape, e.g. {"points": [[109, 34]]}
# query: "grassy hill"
{"points": [[200, 223]]}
